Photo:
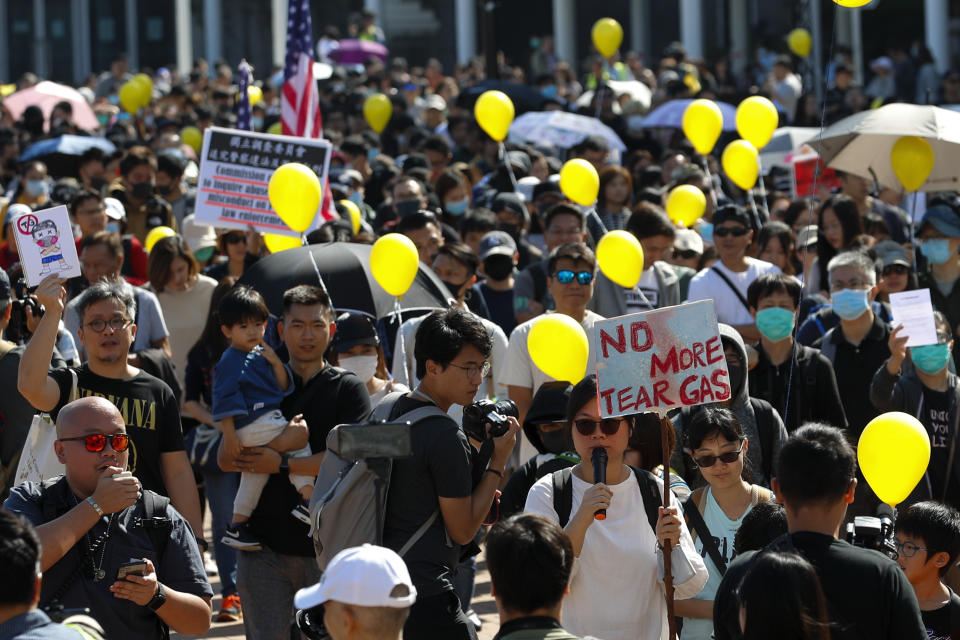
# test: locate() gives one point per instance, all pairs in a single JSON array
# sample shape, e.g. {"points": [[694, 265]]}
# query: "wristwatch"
{"points": [[284, 463], [158, 599]]}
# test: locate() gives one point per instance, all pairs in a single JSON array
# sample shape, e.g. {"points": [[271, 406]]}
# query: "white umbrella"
{"points": [[634, 88], [561, 129], [861, 144]]}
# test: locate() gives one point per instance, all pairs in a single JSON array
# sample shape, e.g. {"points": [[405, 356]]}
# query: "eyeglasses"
{"points": [[566, 276], [736, 232], [688, 254], [705, 462], [473, 369], [908, 549], [117, 324], [234, 238], [96, 442], [840, 285], [608, 426], [898, 269]]}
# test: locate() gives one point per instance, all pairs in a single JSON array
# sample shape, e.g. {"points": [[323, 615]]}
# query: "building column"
{"points": [[40, 62], [856, 44], [639, 39], [183, 34], [739, 37], [691, 27], [564, 31], [80, 35], [212, 30], [465, 16], [937, 30], [278, 30], [133, 34], [376, 6]]}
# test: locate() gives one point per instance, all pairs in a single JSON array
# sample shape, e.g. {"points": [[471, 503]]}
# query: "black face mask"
{"points": [[556, 441], [407, 207], [511, 229], [498, 267], [736, 378], [164, 190], [97, 184], [141, 190], [453, 287]]}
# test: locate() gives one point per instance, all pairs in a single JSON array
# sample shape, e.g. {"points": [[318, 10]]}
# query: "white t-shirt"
{"points": [[707, 285], [723, 529], [650, 289], [615, 589]]}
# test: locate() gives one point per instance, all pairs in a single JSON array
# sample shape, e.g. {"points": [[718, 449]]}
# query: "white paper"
{"points": [[46, 246], [914, 311]]}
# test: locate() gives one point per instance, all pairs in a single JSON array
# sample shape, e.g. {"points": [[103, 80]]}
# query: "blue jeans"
{"points": [[221, 488]]}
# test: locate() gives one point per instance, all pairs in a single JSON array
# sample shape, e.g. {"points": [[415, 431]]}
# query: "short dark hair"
{"points": [[462, 253], [136, 156], [416, 221], [709, 421], [354, 145], [937, 525], [437, 143], [562, 209], [444, 333], [170, 165], [93, 154], [306, 295], [576, 251], [763, 524], [582, 393], [798, 605], [815, 465], [20, 557], [82, 196], [530, 559], [111, 241], [771, 283], [109, 290], [480, 220], [649, 220], [242, 303]]}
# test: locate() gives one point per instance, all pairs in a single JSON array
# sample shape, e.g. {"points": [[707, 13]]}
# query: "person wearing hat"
{"points": [[687, 249], [435, 116], [514, 219], [201, 239], [939, 237], [356, 347], [883, 86], [499, 255], [806, 251], [896, 274], [365, 594], [726, 281]]}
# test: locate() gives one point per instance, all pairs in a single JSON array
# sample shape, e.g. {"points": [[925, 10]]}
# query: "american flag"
{"points": [[300, 106], [244, 117]]}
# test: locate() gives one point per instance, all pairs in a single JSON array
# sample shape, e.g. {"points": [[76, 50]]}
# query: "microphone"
{"points": [[599, 460]]}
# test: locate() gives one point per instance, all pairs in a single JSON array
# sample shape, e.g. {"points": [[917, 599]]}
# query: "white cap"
{"points": [[525, 187], [198, 236], [434, 101], [366, 576], [688, 240], [114, 209]]}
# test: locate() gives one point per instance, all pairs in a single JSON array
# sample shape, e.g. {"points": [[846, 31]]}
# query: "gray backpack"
{"points": [[343, 510]]}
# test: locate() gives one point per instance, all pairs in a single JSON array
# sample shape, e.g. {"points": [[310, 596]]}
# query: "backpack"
{"points": [[766, 420], [344, 512], [563, 495]]}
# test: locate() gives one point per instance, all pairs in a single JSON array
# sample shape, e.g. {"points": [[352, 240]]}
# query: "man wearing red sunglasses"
{"points": [[94, 520]]}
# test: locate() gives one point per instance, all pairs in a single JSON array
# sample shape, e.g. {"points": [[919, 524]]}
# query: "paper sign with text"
{"points": [[235, 169], [662, 359], [45, 243]]}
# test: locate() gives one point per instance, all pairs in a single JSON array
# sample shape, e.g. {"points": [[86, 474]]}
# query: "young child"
{"points": [[249, 382], [928, 541]]}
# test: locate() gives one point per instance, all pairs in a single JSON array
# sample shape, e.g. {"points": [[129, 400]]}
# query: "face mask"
{"points": [[775, 323], [164, 190], [930, 358], [48, 241], [936, 250], [556, 441], [549, 91], [257, 123], [736, 378], [364, 366], [457, 208], [511, 229], [850, 304], [706, 231], [453, 287], [113, 226], [103, 119], [36, 188], [356, 198], [498, 267], [202, 255], [97, 184], [141, 190], [407, 207]]}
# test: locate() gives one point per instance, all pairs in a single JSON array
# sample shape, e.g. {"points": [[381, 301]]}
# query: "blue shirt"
{"points": [[245, 387], [36, 625]]}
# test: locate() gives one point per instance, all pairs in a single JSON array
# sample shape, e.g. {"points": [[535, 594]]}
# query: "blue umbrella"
{"points": [[670, 115], [67, 145]]}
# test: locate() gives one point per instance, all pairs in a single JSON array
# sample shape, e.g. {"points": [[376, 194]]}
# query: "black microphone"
{"points": [[599, 459]]}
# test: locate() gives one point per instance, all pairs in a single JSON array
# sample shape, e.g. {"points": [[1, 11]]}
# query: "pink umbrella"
{"points": [[46, 95], [358, 51]]}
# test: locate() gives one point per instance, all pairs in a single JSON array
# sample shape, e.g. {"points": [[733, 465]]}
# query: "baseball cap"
{"points": [[350, 177], [891, 253], [198, 236], [497, 243], [943, 218], [5, 291], [353, 328], [509, 201], [114, 209], [14, 211], [731, 213], [435, 102], [366, 576], [688, 240], [883, 62], [807, 236]]}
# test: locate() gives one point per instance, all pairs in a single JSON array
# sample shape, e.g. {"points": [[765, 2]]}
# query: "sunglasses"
{"points": [[736, 232], [95, 442], [729, 457], [234, 238], [566, 276], [688, 254], [608, 426], [898, 269]]}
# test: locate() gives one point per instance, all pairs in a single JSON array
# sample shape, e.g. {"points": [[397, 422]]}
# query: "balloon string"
{"points": [[713, 191], [316, 270], [913, 217], [753, 209], [503, 156], [763, 188], [401, 349]]}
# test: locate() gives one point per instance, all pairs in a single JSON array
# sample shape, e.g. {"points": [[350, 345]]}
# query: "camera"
{"points": [[21, 305], [874, 533], [479, 414]]}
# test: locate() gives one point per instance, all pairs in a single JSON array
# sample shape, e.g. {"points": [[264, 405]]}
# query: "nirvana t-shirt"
{"points": [[148, 408]]}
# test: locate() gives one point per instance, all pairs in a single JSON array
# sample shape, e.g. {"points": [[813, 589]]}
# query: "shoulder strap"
{"points": [[765, 422], [733, 288], [759, 494], [157, 524], [827, 347], [563, 494], [418, 533], [383, 410], [691, 510], [650, 492]]}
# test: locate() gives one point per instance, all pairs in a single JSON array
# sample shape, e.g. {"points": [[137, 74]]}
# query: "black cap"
{"points": [[509, 201], [352, 329], [732, 213]]}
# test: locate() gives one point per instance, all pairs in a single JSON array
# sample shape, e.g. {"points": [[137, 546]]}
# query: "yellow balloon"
{"points": [[799, 41], [276, 128], [893, 452], [394, 262], [494, 111], [155, 235], [620, 257], [294, 192], [377, 110], [129, 95], [255, 94], [193, 137], [852, 3], [757, 119], [607, 35], [355, 216], [702, 124], [686, 204], [580, 181], [277, 243], [739, 162], [912, 159], [558, 346]]}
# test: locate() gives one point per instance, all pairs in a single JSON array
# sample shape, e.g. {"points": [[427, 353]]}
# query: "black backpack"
{"points": [[649, 491]]}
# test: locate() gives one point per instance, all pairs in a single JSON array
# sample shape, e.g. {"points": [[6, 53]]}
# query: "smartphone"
{"points": [[132, 568]]}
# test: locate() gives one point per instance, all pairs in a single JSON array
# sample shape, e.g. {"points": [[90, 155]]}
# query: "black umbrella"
{"points": [[345, 269], [525, 98]]}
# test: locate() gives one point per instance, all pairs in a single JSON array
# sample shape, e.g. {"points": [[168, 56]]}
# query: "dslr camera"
{"points": [[874, 533], [21, 306], [479, 414]]}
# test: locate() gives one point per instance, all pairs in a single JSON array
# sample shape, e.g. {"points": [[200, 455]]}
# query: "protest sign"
{"points": [[45, 243], [804, 176], [235, 169], [914, 311], [662, 359]]}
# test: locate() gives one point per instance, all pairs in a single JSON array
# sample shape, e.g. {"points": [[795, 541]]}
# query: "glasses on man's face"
{"points": [[896, 269], [608, 426], [908, 549], [688, 254], [840, 285], [705, 462], [96, 442], [234, 238], [473, 369], [736, 232], [117, 324], [566, 276]]}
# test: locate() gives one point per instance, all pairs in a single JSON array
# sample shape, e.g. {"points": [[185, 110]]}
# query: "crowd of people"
{"points": [[211, 400]]}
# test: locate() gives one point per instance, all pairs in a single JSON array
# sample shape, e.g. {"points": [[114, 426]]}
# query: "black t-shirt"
{"points": [[333, 396], [439, 467], [937, 622], [514, 496], [149, 410], [937, 418], [500, 304]]}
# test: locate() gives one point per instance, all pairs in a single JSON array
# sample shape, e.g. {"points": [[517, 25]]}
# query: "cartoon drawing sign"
{"points": [[660, 360], [45, 243]]}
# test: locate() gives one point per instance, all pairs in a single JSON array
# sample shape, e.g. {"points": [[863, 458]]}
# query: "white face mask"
{"points": [[364, 366]]}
